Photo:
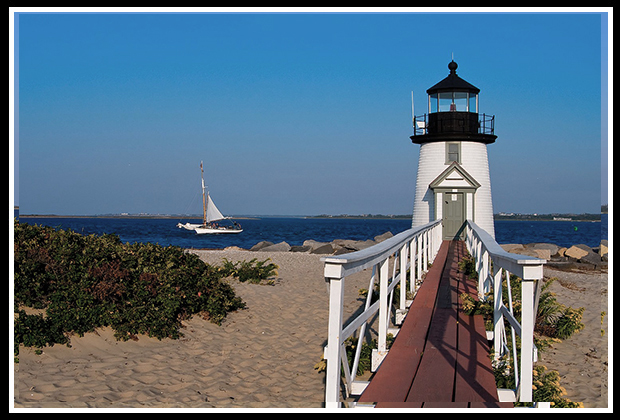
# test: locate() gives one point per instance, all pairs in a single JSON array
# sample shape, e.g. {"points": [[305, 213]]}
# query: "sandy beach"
{"points": [[263, 356], [582, 360]]}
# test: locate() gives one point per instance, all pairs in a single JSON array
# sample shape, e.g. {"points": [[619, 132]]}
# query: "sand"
{"points": [[264, 356], [582, 360]]}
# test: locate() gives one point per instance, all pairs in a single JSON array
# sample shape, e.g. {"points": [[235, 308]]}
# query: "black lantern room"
{"points": [[453, 113]]}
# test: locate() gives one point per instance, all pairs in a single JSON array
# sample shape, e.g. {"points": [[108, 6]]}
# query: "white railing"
{"points": [[414, 246], [491, 260]]}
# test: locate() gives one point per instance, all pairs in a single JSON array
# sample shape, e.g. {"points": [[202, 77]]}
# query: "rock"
{"points": [[528, 250], [233, 248], [584, 247], [512, 247], [544, 254], [351, 245], [604, 248], [343, 250], [562, 252], [279, 247], [383, 237], [575, 252], [297, 248], [552, 248], [323, 249], [584, 254], [313, 244], [364, 244], [260, 245]]}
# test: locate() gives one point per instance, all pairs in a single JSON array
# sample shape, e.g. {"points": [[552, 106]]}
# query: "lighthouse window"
{"points": [[453, 153], [473, 102], [445, 101], [433, 102], [460, 101]]}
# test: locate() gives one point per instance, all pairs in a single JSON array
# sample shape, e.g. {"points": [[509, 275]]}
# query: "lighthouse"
{"points": [[453, 182]]}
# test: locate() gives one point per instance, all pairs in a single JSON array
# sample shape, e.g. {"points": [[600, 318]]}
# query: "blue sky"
{"points": [[298, 113]]}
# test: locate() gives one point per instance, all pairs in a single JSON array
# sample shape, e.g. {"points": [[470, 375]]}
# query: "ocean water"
{"points": [[296, 230]]}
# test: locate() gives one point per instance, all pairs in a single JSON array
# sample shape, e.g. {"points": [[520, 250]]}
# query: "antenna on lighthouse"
{"points": [[412, 111]]}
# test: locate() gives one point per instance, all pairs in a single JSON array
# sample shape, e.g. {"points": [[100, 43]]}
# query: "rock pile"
{"points": [[335, 247], [577, 256]]}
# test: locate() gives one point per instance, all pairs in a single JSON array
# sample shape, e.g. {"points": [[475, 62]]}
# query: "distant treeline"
{"points": [[360, 216], [587, 217]]}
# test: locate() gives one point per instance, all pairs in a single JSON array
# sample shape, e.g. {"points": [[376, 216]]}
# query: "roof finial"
{"points": [[452, 66]]}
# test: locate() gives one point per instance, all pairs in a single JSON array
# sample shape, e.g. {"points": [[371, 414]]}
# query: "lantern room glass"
{"points": [[453, 101]]}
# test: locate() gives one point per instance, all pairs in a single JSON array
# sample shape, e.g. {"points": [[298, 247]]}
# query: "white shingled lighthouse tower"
{"points": [[453, 181]]}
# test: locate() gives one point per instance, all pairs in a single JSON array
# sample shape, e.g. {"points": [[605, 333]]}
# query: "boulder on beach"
{"points": [[528, 250], [552, 248], [584, 254], [279, 247], [349, 245], [512, 247], [323, 249], [575, 252], [604, 248], [383, 237], [260, 245], [300, 248], [313, 244]]}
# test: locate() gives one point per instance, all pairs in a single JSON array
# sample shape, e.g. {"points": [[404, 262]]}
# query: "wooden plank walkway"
{"points": [[440, 357]]}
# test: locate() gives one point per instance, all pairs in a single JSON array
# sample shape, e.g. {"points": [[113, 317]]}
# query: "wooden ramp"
{"points": [[440, 357]]}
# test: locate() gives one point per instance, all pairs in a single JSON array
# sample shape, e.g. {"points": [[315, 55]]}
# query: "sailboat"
{"points": [[210, 215]]}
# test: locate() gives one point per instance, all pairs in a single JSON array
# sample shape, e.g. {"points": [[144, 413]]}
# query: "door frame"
{"points": [[468, 202], [447, 198]]}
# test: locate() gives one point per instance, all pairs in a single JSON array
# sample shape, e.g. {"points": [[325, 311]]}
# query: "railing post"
{"points": [[528, 318], [419, 257], [403, 276], [498, 318], [483, 274], [332, 354], [412, 267], [383, 306], [425, 251]]}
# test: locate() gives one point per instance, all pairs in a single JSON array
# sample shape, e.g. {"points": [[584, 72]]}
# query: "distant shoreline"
{"points": [[553, 217], [556, 217], [121, 216]]}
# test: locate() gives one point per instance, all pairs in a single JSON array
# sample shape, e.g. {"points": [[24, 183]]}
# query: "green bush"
{"points": [[253, 271], [86, 282]]}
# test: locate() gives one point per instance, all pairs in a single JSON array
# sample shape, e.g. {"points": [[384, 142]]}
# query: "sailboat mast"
{"points": [[204, 201]]}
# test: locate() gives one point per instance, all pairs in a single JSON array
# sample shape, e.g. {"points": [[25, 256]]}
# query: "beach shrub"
{"points": [[86, 282], [546, 387], [467, 265], [253, 271]]}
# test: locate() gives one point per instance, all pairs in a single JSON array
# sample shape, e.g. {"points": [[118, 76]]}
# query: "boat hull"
{"points": [[215, 231]]}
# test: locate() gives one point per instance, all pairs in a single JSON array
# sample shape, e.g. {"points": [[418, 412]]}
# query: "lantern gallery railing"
{"points": [[453, 122], [494, 265], [412, 251]]}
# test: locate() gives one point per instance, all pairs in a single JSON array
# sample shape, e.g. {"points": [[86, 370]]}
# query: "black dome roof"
{"points": [[453, 83]]}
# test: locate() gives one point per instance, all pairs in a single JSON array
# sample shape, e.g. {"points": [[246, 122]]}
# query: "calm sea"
{"points": [[296, 230]]}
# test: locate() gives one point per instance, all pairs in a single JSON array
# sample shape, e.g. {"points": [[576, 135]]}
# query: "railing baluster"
{"points": [[383, 306], [334, 340], [527, 340], [485, 250], [403, 276], [416, 243], [498, 318]]}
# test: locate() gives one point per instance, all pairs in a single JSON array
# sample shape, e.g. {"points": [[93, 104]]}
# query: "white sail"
{"points": [[213, 214], [210, 213]]}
